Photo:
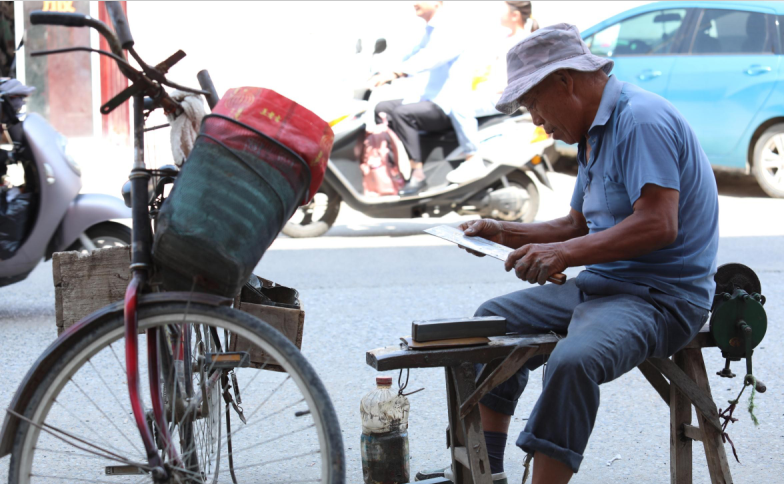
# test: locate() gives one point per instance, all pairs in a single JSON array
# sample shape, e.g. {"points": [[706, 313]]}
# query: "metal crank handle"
{"points": [[559, 279]]}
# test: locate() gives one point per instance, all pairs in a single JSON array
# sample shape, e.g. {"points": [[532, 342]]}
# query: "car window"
{"points": [[647, 34], [780, 24], [732, 32]]}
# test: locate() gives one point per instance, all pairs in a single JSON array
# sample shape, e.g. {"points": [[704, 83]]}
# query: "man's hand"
{"points": [[536, 262], [382, 78], [489, 229]]}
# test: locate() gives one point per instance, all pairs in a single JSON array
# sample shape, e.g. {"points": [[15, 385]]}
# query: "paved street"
{"points": [[365, 281]]}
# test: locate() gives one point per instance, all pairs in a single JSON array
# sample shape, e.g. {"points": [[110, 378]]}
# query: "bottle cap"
{"points": [[384, 380]]}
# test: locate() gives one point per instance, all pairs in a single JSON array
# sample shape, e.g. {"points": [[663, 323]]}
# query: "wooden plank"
{"points": [[475, 445], [714, 447], [692, 432], [461, 456], [395, 358], [487, 370], [516, 359], [657, 381], [84, 284], [454, 431], [680, 448], [700, 399]]}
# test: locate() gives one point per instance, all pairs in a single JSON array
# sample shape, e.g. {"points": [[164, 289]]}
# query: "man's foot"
{"points": [[413, 187], [499, 478], [471, 169], [431, 474]]}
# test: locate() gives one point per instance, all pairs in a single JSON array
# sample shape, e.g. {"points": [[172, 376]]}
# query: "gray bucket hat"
{"points": [[541, 53]]}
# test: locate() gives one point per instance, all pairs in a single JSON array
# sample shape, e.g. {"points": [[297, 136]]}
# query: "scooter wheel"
{"points": [[315, 218], [527, 214], [104, 235]]}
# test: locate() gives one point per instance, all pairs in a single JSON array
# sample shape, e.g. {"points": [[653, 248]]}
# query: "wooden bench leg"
{"points": [[469, 451], [694, 366], [680, 446]]}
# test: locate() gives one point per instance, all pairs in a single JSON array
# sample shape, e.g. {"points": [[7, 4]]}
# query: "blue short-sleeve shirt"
{"points": [[638, 138]]}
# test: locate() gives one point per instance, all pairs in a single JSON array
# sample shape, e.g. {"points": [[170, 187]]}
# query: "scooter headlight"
{"points": [[72, 164], [539, 135]]}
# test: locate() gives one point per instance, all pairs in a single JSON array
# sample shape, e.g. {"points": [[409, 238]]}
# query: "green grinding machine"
{"points": [[738, 321]]}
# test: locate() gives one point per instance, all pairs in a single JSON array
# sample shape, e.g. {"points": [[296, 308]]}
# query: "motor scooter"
{"points": [[58, 217], [514, 150]]}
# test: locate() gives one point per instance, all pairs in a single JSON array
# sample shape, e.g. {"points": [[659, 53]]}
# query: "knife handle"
{"points": [[557, 279]]}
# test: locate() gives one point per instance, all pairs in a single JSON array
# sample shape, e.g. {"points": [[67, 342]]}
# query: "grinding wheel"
{"points": [[730, 276]]}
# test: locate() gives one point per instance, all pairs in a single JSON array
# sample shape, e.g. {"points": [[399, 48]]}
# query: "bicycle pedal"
{"points": [[239, 412], [124, 471], [227, 361]]}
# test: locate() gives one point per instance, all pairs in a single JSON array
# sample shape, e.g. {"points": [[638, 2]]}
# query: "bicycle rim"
{"points": [[291, 424]]}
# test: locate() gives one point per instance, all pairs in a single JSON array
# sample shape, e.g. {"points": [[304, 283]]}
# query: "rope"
{"points": [[527, 466], [726, 414]]}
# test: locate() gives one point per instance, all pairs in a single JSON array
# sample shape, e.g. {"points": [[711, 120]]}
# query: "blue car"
{"points": [[720, 64]]}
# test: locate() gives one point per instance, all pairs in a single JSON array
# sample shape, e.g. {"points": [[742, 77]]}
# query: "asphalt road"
{"points": [[365, 281]]}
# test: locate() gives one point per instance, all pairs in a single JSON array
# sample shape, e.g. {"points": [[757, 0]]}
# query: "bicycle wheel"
{"points": [[78, 426]]}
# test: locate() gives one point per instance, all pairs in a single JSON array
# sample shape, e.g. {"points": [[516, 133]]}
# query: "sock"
{"points": [[418, 174], [496, 444]]}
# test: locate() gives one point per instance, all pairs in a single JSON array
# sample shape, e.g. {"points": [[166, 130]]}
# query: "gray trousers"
{"points": [[610, 326]]}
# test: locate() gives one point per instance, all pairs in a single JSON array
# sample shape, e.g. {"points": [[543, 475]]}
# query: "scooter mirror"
{"points": [[126, 193], [381, 46]]}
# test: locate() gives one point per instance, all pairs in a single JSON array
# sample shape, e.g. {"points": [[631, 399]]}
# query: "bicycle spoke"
{"points": [[100, 410], [235, 432], [51, 430], [73, 479], [259, 464], [84, 424], [275, 438]]}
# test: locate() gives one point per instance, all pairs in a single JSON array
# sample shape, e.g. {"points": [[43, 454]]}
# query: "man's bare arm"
{"points": [[652, 226], [515, 234]]}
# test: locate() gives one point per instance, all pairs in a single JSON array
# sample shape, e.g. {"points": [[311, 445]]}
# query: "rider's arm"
{"points": [[442, 48]]}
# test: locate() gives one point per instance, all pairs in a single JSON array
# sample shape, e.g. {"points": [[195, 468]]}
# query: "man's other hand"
{"points": [[536, 262], [488, 229]]}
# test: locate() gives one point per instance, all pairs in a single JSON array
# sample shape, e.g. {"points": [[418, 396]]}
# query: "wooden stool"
{"points": [[681, 381]]}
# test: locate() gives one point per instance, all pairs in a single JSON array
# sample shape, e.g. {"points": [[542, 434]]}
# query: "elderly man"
{"points": [[643, 222]]}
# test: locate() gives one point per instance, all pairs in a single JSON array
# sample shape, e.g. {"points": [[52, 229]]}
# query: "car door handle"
{"points": [[648, 74], [756, 69]]}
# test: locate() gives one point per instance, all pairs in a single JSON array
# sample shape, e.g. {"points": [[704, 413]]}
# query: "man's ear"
{"points": [[564, 79]]}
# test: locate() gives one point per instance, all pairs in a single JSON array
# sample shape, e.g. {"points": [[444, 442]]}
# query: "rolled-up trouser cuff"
{"points": [[531, 444], [499, 404]]}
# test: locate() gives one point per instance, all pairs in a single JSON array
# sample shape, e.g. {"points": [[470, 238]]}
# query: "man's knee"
{"points": [[574, 359], [490, 307]]}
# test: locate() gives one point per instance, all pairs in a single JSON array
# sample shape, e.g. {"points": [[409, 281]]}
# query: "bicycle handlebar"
{"points": [[120, 23], [124, 40], [58, 18], [205, 81]]}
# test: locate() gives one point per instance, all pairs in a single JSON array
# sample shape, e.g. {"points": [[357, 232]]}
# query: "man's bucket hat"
{"points": [[541, 53]]}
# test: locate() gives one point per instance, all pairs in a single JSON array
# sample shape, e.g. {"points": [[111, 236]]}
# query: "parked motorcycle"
{"points": [[514, 149], [56, 217]]}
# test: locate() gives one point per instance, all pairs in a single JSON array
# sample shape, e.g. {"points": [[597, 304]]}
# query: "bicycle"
{"points": [[70, 419]]}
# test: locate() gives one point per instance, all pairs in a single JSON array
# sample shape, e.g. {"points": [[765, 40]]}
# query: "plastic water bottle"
{"points": [[384, 435]]}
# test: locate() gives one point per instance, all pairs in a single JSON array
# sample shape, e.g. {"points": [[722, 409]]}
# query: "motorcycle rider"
{"points": [[433, 109]]}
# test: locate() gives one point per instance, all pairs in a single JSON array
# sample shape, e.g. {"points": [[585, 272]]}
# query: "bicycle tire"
{"points": [[109, 329]]}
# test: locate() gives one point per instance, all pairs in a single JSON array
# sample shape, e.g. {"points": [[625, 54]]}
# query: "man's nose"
{"points": [[538, 120]]}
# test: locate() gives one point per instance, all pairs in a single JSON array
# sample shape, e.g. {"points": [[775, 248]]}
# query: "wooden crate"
{"points": [[86, 283]]}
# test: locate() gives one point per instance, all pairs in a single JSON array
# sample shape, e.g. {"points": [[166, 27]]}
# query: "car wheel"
{"points": [[768, 165]]}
